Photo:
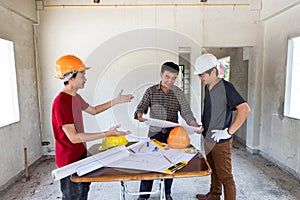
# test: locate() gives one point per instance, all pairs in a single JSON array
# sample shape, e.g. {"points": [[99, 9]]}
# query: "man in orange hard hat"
{"points": [[67, 122]]}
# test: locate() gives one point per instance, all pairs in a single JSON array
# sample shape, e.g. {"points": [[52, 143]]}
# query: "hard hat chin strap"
{"points": [[68, 76]]}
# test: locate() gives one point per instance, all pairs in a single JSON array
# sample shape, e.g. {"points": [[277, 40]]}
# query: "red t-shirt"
{"points": [[67, 109]]}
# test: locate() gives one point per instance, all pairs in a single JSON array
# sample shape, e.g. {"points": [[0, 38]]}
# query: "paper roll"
{"points": [[70, 169], [167, 124], [105, 161]]}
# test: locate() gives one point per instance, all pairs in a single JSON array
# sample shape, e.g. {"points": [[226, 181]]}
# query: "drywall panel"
{"points": [[125, 47], [280, 135], [26, 132]]}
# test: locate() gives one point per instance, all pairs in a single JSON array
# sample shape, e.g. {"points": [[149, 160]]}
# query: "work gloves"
{"points": [[220, 135]]}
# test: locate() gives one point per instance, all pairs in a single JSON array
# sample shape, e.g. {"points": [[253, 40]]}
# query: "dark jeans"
{"points": [[146, 186], [74, 191]]}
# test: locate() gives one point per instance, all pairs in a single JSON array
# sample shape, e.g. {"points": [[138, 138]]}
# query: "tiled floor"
{"points": [[256, 179]]}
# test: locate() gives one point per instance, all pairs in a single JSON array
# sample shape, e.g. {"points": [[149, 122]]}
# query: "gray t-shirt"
{"points": [[219, 102]]}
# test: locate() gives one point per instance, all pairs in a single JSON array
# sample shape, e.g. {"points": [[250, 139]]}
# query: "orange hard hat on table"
{"points": [[178, 138], [68, 64]]}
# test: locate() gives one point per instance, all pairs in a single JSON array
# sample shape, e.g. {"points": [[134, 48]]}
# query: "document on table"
{"points": [[91, 163], [145, 155], [167, 124]]}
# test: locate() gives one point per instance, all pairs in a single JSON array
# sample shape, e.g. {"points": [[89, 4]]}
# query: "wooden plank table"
{"points": [[198, 166]]}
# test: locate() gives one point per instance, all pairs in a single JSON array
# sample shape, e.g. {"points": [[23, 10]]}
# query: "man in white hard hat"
{"points": [[221, 99]]}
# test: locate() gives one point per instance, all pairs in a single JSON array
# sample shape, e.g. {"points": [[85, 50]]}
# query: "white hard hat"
{"points": [[205, 62]]}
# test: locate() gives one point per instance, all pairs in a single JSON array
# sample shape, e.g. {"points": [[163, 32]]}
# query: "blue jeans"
{"points": [[146, 186], [73, 190]]}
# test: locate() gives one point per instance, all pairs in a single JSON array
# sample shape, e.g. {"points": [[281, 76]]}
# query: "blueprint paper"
{"points": [[143, 155], [151, 158], [167, 124]]}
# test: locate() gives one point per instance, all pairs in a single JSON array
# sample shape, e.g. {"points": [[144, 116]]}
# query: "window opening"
{"points": [[225, 68], [292, 86], [9, 105]]}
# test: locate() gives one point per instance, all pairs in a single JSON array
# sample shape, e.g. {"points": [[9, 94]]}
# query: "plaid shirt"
{"points": [[165, 106]]}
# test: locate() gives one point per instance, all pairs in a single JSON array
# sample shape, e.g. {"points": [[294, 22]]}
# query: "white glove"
{"points": [[220, 134]]}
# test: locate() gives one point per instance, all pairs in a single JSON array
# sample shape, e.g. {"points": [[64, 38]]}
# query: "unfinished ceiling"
{"points": [[142, 2]]}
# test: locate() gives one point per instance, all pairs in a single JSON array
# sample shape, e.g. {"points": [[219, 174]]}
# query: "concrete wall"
{"points": [[279, 138], [17, 26], [272, 8], [125, 46], [25, 8]]}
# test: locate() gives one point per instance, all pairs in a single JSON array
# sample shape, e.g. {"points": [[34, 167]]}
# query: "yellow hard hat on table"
{"points": [[112, 141]]}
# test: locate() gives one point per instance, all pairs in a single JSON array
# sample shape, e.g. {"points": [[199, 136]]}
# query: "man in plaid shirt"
{"points": [[165, 100]]}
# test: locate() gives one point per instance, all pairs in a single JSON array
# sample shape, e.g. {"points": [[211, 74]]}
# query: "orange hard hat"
{"points": [[67, 64], [178, 138]]}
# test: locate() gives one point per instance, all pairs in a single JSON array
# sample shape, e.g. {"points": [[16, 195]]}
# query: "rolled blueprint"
{"points": [[101, 162], [70, 169]]}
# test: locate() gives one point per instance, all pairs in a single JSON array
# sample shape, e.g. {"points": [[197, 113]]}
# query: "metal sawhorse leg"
{"points": [[161, 190]]}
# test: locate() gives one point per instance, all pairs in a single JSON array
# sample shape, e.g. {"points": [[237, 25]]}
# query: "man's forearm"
{"points": [[194, 123], [102, 107]]}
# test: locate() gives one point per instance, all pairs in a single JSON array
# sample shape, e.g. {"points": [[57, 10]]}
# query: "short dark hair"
{"points": [[170, 66]]}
